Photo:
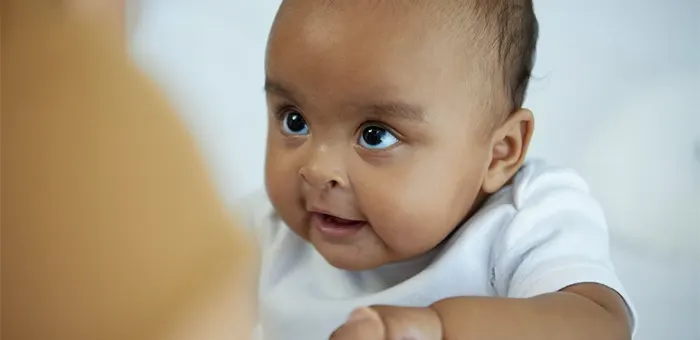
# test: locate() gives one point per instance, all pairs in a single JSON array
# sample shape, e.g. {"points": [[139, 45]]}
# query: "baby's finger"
{"points": [[363, 324], [409, 323]]}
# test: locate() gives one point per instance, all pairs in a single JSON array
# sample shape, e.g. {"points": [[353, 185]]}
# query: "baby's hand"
{"points": [[390, 323]]}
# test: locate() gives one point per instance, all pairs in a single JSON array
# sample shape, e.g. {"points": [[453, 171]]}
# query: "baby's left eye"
{"points": [[375, 137]]}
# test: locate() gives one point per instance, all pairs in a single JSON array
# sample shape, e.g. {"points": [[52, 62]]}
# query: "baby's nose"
{"points": [[324, 170], [322, 178]]}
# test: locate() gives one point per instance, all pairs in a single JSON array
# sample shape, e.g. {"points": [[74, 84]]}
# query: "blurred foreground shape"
{"points": [[110, 226]]}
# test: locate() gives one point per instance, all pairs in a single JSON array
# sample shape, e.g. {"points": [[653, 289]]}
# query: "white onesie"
{"points": [[540, 234]]}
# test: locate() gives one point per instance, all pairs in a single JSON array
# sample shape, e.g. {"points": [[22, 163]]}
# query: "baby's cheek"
{"points": [[410, 223], [285, 195], [281, 179]]}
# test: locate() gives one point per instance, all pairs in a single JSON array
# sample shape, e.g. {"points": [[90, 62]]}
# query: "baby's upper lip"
{"points": [[324, 211]]}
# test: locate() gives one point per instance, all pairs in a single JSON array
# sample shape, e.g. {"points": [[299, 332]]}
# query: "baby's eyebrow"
{"points": [[276, 88], [396, 110], [384, 109]]}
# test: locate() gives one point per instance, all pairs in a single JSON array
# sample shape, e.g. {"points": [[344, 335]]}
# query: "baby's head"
{"points": [[398, 117]]}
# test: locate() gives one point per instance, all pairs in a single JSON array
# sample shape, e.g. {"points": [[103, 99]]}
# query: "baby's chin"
{"points": [[352, 256], [339, 259], [362, 257], [349, 264]]}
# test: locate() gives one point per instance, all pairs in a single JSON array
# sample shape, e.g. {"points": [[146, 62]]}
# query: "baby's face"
{"points": [[376, 146]]}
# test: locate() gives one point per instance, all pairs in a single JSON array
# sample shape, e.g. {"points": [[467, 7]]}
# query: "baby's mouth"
{"points": [[335, 228], [340, 222]]}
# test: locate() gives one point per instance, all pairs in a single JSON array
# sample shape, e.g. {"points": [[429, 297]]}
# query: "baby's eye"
{"points": [[293, 123], [375, 137]]}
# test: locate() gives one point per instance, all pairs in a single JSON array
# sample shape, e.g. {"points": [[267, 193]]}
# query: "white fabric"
{"points": [[540, 234]]}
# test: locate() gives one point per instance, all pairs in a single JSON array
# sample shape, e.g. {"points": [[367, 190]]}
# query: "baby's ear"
{"points": [[508, 149]]}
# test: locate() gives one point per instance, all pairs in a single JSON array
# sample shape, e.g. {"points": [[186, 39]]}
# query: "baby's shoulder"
{"points": [[548, 188], [544, 203], [544, 231]]}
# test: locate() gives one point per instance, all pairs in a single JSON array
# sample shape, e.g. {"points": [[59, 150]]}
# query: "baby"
{"points": [[399, 204]]}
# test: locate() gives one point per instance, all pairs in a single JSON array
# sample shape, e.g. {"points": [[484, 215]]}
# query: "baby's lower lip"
{"points": [[335, 228]]}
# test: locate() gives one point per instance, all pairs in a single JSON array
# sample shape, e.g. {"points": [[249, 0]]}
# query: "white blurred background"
{"points": [[615, 95]]}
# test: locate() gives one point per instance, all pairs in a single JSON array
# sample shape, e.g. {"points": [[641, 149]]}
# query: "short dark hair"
{"points": [[511, 26]]}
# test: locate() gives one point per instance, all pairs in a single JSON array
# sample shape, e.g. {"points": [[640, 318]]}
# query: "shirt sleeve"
{"points": [[558, 237]]}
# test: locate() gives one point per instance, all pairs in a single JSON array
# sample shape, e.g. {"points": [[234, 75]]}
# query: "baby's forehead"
{"points": [[453, 14], [361, 49], [374, 24]]}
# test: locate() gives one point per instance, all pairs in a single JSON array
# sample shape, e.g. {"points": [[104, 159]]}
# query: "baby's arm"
{"points": [[583, 311]]}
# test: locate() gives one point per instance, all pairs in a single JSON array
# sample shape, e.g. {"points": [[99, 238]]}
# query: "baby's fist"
{"points": [[390, 323]]}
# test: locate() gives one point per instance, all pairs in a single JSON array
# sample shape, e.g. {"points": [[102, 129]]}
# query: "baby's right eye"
{"points": [[293, 123]]}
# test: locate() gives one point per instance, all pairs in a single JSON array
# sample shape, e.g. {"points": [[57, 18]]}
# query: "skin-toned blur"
{"points": [[110, 226]]}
